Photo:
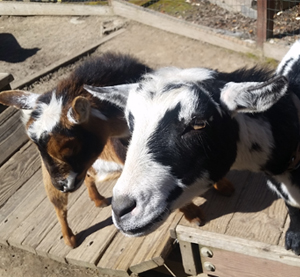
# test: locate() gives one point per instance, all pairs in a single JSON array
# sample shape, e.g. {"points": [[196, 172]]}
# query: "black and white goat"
{"points": [[191, 126]]}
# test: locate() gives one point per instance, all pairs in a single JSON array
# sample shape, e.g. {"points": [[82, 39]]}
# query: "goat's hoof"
{"points": [[193, 214], [100, 203], [198, 221], [70, 241], [225, 187], [292, 241]]}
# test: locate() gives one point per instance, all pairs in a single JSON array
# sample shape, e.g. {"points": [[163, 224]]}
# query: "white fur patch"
{"points": [[28, 100], [70, 117], [290, 190], [26, 116], [292, 56], [104, 168], [48, 118], [242, 97], [251, 131]]}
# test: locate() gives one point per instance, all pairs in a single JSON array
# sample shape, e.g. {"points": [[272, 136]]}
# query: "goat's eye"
{"points": [[197, 124]]}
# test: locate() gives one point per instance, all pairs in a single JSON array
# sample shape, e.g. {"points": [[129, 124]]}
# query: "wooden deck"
{"points": [[243, 236], [28, 220]]}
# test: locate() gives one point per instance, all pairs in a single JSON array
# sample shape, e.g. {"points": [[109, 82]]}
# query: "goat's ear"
{"points": [[116, 95], [252, 97], [19, 99], [80, 110]]}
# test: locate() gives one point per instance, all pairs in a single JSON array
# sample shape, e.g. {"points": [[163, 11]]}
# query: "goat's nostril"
{"points": [[123, 205]]}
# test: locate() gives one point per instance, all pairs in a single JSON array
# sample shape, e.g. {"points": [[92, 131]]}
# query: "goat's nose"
{"points": [[122, 206]]}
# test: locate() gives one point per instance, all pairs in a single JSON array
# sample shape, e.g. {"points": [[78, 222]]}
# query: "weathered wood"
{"points": [[154, 248], [17, 198], [218, 209], [23, 209], [29, 9], [5, 79], [12, 133], [18, 170], [53, 241], [259, 214], [265, 20], [32, 230], [62, 62], [238, 245], [180, 27], [233, 264], [97, 232], [118, 257], [189, 261]]}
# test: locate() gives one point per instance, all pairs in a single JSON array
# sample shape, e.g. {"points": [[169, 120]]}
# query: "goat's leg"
{"points": [[194, 214], [290, 192], [224, 186], [292, 236], [95, 196], [60, 203]]}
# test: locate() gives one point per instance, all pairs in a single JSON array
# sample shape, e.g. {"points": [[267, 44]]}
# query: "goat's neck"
{"points": [[255, 143]]}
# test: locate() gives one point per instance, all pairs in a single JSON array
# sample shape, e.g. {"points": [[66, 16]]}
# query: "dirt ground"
{"points": [[29, 44]]}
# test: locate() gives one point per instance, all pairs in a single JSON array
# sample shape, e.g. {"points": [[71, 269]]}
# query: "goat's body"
{"points": [[71, 128], [191, 126]]}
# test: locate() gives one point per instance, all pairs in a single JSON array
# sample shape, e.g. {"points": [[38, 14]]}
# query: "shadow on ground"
{"points": [[11, 51]]}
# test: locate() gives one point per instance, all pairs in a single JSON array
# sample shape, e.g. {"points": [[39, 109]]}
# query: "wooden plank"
{"points": [[64, 61], [29, 9], [18, 170], [7, 114], [236, 265], [180, 27], [53, 240], [17, 198], [219, 209], [259, 215], [5, 79], [23, 209], [118, 257], [234, 244], [154, 248], [41, 231], [190, 264], [98, 232], [32, 230], [12, 134]]}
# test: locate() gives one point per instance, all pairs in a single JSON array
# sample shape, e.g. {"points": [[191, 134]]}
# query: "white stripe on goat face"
{"points": [[150, 186], [48, 116]]}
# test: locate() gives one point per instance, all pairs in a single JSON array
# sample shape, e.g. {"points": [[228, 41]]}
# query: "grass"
{"points": [[171, 7]]}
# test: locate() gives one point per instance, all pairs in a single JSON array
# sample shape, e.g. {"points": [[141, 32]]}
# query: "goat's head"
{"points": [[68, 128], [183, 140]]}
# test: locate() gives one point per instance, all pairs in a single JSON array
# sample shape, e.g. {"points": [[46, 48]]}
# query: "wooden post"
{"points": [[265, 20], [190, 258]]}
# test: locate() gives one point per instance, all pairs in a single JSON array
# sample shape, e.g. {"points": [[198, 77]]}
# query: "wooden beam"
{"points": [[28, 9], [181, 27], [238, 245]]}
